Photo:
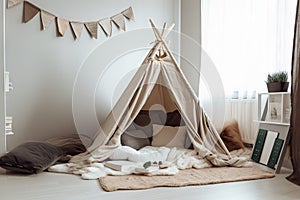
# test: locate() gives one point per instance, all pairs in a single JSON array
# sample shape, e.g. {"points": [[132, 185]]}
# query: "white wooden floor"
{"points": [[46, 186]]}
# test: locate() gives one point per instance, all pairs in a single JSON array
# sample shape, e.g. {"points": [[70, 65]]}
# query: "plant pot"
{"points": [[278, 86], [284, 86]]}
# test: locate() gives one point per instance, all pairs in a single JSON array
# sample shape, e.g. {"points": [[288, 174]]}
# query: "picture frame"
{"points": [[275, 112], [275, 108]]}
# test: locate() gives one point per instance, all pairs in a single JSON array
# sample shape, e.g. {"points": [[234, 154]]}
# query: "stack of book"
{"points": [[267, 148]]}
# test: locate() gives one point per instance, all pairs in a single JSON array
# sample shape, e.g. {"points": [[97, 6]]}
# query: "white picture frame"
{"points": [[275, 112], [275, 108]]}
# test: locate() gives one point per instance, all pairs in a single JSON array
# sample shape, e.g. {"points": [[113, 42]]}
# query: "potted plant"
{"points": [[277, 82]]}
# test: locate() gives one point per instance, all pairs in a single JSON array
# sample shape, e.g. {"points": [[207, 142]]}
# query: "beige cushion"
{"points": [[168, 136]]}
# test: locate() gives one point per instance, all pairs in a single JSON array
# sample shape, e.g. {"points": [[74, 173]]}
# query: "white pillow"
{"points": [[168, 136], [122, 153], [149, 153]]}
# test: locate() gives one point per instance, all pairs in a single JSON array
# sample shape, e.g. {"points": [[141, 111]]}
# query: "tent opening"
{"points": [[158, 123]]}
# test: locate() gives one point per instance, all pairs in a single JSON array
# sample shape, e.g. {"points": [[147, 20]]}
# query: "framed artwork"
{"points": [[275, 112], [275, 108]]}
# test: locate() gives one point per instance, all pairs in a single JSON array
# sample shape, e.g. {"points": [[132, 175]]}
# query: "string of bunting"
{"points": [[30, 11]]}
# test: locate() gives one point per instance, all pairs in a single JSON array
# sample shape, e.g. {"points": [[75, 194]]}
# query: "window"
{"points": [[248, 39], [245, 40]]}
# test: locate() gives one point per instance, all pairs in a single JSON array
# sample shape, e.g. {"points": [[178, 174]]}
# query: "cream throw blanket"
{"points": [[178, 159]]}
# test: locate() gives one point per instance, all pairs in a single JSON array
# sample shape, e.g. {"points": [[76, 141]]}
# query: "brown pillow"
{"points": [[231, 136], [174, 119]]}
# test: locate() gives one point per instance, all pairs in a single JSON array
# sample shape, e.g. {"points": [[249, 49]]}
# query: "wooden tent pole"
{"points": [[164, 28], [156, 33], [168, 31]]}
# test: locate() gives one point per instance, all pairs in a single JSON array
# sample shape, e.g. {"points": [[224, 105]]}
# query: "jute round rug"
{"points": [[183, 178]]}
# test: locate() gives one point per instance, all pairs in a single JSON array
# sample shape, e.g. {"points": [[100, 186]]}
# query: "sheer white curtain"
{"points": [[246, 40]]}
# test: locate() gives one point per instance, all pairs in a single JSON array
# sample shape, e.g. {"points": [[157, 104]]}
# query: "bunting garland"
{"points": [[92, 28], [77, 29], [62, 26], [106, 26], [12, 3], [30, 11], [128, 13], [119, 21], [46, 19]]}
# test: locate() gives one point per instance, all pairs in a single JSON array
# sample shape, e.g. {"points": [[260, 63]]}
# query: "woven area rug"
{"points": [[183, 178]]}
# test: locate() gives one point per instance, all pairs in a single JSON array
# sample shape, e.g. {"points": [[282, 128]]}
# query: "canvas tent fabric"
{"points": [[159, 81]]}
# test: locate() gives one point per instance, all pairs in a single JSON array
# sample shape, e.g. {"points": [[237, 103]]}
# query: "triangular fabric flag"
{"points": [[77, 29], [106, 26], [62, 26], [119, 21], [46, 19], [92, 28], [128, 13], [12, 3], [29, 11]]}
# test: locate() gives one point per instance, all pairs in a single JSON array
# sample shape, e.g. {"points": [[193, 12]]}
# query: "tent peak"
{"points": [[161, 36]]}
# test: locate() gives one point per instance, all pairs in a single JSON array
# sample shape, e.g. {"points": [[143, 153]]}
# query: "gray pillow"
{"points": [[135, 139], [72, 144], [31, 157]]}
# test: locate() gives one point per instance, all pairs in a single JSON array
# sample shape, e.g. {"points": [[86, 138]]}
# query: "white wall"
{"points": [[197, 65], [43, 67], [190, 46]]}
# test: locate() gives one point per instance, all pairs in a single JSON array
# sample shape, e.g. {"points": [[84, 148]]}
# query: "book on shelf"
{"points": [[8, 119], [267, 148], [275, 153], [120, 165], [259, 144], [8, 126], [9, 133], [268, 145]]}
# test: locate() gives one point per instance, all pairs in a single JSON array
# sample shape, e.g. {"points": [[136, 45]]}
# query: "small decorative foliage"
{"points": [[277, 81], [281, 76]]}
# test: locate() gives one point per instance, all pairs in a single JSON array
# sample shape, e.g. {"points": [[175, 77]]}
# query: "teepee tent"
{"points": [[159, 80]]}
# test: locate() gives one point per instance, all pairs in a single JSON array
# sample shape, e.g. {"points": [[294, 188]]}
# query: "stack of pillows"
{"points": [[156, 128], [35, 157]]}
